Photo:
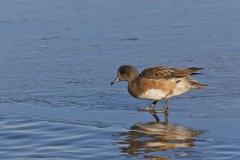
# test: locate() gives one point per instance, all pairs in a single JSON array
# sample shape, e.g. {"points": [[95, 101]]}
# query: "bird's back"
{"points": [[167, 72]]}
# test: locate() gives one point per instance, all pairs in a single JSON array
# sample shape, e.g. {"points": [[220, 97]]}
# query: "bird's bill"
{"points": [[116, 80]]}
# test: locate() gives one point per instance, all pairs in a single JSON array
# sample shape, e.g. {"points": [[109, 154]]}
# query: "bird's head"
{"points": [[126, 73]]}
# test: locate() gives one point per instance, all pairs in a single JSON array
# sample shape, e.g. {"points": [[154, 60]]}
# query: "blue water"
{"points": [[58, 58]]}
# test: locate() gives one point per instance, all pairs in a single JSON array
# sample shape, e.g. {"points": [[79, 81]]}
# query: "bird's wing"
{"points": [[167, 73]]}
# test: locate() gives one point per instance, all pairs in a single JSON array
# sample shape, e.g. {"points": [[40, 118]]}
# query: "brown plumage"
{"points": [[167, 73], [158, 82]]}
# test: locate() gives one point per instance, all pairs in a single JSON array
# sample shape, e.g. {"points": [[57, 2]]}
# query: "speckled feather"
{"points": [[167, 73]]}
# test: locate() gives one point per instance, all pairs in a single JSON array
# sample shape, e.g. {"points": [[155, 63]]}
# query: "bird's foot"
{"points": [[152, 110], [161, 111], [148, 109]]}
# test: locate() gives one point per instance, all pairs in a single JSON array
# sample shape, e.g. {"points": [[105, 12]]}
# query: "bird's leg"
{"points": [[150, 108], [165, 110], [153, 104], [155, 116], [166, 104], [166, 118], [157, 119]]}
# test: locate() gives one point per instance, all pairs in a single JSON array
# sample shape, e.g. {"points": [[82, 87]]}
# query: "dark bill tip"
{"points": [[116, 80]]}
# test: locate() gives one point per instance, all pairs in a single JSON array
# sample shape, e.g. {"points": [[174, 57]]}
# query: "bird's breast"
{"points": [[133, 89], [154, 94]]}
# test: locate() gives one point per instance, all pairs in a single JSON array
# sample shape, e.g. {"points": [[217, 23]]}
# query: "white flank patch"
{"points": [[155, 94], [182, 87]]}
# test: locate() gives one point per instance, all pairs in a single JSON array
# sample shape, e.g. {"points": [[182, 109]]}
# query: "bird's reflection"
{"points": [[145, 138]]}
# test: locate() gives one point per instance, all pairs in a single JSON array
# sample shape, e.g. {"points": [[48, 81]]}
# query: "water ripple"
{"points": [[44, 139]]}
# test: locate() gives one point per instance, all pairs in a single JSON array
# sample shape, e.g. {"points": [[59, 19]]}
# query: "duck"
{"points": [[157, 83]]}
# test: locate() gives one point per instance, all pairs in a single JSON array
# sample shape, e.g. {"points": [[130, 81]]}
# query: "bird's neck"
{"points": [[132, 88], [133, 77]]}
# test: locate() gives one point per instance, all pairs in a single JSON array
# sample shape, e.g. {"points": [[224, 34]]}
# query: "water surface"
{"points": [[59, 57]]}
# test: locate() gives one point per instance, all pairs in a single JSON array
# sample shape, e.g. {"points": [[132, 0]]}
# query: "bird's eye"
{"points": [[122, 72]]}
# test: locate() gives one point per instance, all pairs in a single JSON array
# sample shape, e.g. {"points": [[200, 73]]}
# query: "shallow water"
{"points": [[58, 58]]}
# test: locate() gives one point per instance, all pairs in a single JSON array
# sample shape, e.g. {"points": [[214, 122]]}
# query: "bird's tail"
{"points": [[196, 85], [193, 70]]}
